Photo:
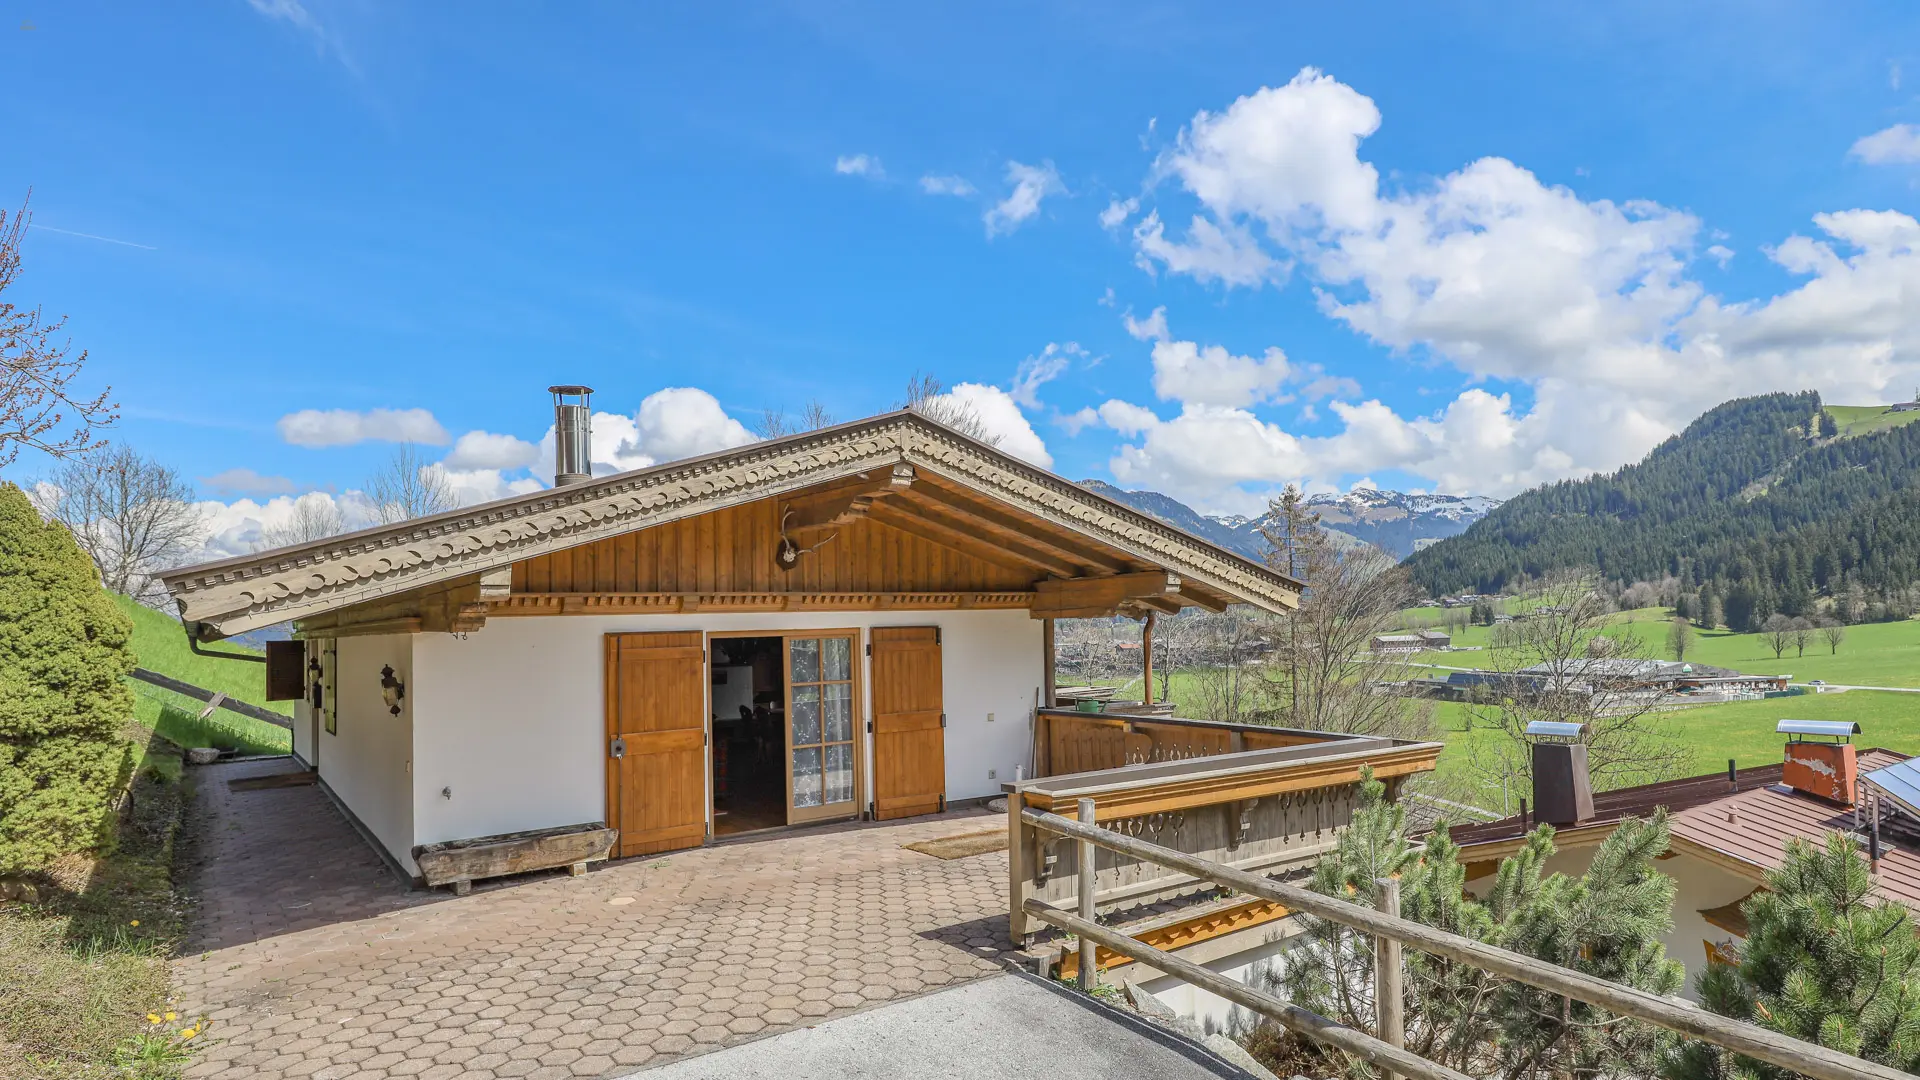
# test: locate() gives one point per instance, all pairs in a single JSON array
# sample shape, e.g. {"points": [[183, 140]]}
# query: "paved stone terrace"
{"points": [[317, 963]]}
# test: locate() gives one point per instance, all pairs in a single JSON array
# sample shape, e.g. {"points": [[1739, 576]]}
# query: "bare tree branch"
{"points": [[38, 407], [926, 396], [408, 486], [131, 514]]}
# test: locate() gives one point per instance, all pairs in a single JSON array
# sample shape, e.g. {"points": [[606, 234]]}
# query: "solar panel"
{"points": [[1556, 729], [1836, 728], [1900, 783]]}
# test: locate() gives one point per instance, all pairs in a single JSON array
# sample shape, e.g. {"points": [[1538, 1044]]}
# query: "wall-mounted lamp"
{"points": [[391, 690]]}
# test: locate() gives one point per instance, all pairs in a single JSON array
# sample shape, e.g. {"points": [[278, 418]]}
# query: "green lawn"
{"points": [[1865, 419], [160, 644], [1710, 734]]}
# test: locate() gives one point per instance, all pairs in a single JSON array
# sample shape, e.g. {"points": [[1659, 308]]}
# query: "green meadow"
{"points": [[160, 644]]}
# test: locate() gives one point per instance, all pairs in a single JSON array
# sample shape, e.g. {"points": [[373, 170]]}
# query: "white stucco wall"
{"points": [[1698, 886], [303, 727], [510, 720], [367, 763]]}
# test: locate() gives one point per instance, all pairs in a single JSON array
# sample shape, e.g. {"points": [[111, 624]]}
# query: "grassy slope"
{"points": [[1866, 419], [161, 645]]}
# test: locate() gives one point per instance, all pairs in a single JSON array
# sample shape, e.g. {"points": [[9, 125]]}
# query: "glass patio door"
{"points": [[821, 741]]}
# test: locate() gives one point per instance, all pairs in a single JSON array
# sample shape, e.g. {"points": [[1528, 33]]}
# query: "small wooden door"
{"points": [[657, 741], [909, 728]]}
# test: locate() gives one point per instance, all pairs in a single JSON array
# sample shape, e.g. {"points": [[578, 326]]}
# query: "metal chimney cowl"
{"points": [[572, 435], [1562, 788]]}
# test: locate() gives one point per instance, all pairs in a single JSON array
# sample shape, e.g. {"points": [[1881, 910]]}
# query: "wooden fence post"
{"points": [[1019, 869], [1089, 967], [1388, 1005]]}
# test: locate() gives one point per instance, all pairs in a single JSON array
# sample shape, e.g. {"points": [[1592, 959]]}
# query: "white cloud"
{"points": [[1588, 304], [471, 487], [247, 525], [1043, 367], [1031, 185], [1117, 213], [244, 481], [1151, 328], [486, 450], [1721, 254], [859, 165], [1187, 372], [345, 427], [945, 185], [1896, 145], [682, 422], [1076, 422], [1003, 419], [1230, 256]]}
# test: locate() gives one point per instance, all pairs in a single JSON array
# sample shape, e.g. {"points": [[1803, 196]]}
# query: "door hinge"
{"points": [[943, 719], [936, 635], [869, 727], [943, 803], [869, 648]]}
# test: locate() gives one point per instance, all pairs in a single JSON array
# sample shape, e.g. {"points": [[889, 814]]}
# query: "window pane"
{"points": [[838, 707], [806, 777], [839, 660], [840, 773], [806, 659], [806, 715]]}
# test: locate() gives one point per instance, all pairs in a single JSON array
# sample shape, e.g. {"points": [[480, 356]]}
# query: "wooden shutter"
{"points": [[286, 670], [656, 707], [909, 736]]}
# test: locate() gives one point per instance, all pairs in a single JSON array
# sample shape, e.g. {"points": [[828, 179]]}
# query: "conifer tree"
{"points": [[1607, 922], [63, 699], [1825, 960]]}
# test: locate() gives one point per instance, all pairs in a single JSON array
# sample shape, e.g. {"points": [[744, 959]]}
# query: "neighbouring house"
{"points": [[1728, 829], [851, 622], [1396, 643], [1435, 639]]}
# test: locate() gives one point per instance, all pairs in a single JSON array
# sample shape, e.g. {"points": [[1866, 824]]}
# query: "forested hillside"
{"points": [[1754, 502]]}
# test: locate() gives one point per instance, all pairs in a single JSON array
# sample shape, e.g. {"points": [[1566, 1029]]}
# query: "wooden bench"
{"points": [[460, 863]]}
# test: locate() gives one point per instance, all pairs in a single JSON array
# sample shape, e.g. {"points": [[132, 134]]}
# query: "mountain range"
{"points": [[1396, 521], [1765, 502]]}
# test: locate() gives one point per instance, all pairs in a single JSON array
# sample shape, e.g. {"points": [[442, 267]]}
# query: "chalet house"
{"points": [[1727, 829], [850, 622]]}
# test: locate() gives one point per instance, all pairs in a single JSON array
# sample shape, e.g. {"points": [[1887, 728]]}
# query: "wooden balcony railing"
{"points": [[1069, 741], [1262, 810], [1381, 1048]]}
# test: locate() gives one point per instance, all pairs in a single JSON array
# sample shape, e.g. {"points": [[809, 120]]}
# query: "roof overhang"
{"points": [[231, 596]]}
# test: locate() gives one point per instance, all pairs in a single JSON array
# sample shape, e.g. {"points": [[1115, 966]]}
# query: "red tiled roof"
{"points": [[1749, 826]]}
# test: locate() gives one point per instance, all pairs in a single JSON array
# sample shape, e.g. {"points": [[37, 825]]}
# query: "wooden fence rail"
{"points": [[1674, 1015], [253, 711]]}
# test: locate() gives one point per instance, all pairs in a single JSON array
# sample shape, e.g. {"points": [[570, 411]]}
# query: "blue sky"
{"points": [[1467, 250]]}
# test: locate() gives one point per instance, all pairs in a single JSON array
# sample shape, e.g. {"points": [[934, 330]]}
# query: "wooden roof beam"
{"points": [[1092, 597], [844, 504], [960, 542], [1203, 597], [995, 520], [1058, 562]]}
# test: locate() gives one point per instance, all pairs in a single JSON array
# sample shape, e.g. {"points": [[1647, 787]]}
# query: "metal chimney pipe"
{"points": [[572, 435]]}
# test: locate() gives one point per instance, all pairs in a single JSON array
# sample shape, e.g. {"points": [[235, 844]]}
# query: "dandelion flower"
{"points": [[135, 922], [188, 1033], [154, 1018], [173, 1016]]}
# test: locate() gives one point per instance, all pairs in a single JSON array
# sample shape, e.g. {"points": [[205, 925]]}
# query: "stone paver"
{"points": [[316, 962]]}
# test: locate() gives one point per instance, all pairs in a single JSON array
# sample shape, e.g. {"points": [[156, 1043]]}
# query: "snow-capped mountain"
{"points": [[1395, 521]]}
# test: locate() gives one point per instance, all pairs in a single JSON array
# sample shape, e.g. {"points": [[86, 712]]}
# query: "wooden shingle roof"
{"points": [[306, 580]]}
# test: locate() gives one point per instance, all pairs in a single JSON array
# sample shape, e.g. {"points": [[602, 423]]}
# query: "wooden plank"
{"points": [[957, 541], [512, 853], [1058, 560], [256, 712], [909, 736], [659, 711], [1075, 595], [1029, 530], [1183, 932]]}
